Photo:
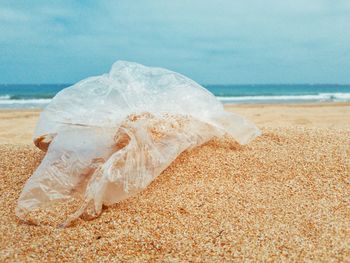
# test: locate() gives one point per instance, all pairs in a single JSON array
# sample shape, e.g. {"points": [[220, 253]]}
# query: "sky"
{"points": [[212, 42]]}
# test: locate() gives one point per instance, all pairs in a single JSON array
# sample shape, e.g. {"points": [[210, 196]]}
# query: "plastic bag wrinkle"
{"points": [[108, 137]]}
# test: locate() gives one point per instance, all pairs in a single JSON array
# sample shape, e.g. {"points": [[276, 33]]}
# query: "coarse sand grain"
{"points": [[285, 196]]}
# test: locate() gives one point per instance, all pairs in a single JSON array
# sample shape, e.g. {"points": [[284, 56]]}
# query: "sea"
{"points": [[40, 95]]}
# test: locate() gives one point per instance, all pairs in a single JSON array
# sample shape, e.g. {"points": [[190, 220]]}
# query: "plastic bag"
{"points": [[108, 137]]}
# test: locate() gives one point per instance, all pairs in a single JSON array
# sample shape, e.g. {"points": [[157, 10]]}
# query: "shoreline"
{"points": [[238, 105], [301, 104]]}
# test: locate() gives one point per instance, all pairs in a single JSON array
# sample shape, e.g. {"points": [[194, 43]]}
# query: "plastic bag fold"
{"points": [[108, 137]]}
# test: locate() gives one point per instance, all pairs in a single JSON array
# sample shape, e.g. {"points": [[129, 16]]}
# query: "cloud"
{"points": [[211, 41]]}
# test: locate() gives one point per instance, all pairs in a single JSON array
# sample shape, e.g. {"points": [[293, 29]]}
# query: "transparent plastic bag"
{"points": [[108, 137]]}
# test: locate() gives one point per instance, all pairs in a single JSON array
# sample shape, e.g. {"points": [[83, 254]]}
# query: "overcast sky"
{"points": [[222, 42]]}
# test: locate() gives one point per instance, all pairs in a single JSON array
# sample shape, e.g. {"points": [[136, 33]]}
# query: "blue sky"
{"points": [[221, 42]]}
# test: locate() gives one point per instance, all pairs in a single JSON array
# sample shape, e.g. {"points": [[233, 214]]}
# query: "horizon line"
{"points": [[206, 84]]}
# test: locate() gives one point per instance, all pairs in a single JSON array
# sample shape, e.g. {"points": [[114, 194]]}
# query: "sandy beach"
{"points": [[285, 196], [17, 125]]}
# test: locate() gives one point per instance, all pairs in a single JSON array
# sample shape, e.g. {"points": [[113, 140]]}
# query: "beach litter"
{"points": [[108, 137]]}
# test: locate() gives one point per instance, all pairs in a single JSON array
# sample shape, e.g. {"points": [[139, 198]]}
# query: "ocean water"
{"points": [[38, 96]]}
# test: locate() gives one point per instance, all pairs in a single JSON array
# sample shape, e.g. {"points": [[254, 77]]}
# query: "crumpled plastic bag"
{"points": [[108, 137]]}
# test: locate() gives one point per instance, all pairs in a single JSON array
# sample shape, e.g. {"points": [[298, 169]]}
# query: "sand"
{"points": [[283, 197], [16, 126]]}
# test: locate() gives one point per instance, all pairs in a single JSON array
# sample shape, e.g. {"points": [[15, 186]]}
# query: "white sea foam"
{"points": [[5, 97], [24, 103], [336, 97], [7, 102]]}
